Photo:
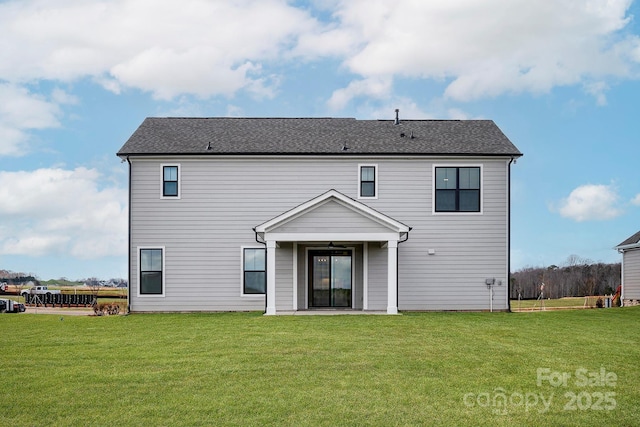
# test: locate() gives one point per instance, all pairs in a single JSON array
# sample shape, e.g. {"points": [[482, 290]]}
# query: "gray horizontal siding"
{"points": [[357, 292], [284, 277], [631, 260], [377, 282], [223, 199], [469, 248]]}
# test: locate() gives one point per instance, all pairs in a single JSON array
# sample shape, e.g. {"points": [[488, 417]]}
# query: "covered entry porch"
{"points": [[331, 253]]}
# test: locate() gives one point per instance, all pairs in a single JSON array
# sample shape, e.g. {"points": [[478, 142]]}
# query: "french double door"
{"points": [[330, 273]]}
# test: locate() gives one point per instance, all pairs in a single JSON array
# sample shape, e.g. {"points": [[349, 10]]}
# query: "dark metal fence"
{"points": [[60, 300]]}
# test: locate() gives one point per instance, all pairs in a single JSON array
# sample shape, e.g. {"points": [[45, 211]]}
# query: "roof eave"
{"points": [[341, 153], [622, 248]]}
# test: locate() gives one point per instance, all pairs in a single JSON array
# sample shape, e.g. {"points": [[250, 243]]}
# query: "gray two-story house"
{"points": [[291, 214]]}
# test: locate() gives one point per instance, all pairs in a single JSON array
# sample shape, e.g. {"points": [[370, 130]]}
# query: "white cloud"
{"points": [[372, 87], [20, 112], [234, 111], [591, 202], [492, 47], [597, 89], [408, 110], [58, 211], [457, 114], [219, 47], [165, 47], [202, 48], [60, 96], [636, 200]]}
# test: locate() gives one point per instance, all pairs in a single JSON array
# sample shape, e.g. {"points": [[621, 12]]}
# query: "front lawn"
{"points": [[542, 368]]}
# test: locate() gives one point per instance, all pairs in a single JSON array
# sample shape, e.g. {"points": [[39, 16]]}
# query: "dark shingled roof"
{"points": [[631, 240], [317, 136]]}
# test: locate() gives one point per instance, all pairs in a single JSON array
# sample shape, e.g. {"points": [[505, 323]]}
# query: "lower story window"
{"points": [[254, 271], [151, 271]]}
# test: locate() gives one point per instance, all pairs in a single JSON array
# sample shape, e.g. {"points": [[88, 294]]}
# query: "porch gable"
{"points": [[329, 216], [333, 217]]}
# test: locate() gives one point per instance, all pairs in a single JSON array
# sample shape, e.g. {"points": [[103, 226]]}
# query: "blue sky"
{"points": [[560, 78]]}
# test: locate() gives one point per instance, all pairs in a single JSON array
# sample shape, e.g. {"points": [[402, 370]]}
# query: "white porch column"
{"points": [[392, 278], [295, 276], [271, 278]]}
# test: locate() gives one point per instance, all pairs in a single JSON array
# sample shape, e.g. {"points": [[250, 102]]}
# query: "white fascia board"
{"points": [[337, 237], [628, 247], [293, 213], [374, 215]]}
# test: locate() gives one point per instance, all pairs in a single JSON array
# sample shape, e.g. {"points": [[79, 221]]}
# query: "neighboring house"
{"points": [[630, 250], [286, 214]]}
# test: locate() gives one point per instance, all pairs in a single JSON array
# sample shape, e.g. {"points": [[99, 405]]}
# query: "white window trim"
{"points": [[162, 196], [456, 165], [242, 294], [376, 177], [164, 282]]}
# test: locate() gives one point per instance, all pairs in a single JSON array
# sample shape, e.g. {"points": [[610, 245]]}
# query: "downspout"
{"points": [[508, 235], [398, 267], [265, 255], [129, 249], [621, 251], [622, 281]]}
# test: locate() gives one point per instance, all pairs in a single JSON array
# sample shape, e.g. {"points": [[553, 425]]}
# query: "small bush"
{"points": [[106, 308]]}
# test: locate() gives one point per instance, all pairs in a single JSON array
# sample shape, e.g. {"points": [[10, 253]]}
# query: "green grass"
{"points": [[577, 302], [249, 369], [60, 282]]}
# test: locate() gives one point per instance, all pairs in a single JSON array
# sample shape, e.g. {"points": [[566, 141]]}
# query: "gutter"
{"points": [[265, 254], [398, 267], [509, 234], [352, 153], [129, 248]]}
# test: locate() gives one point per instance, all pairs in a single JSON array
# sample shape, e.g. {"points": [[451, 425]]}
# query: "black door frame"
{"points": [[328, 252]]}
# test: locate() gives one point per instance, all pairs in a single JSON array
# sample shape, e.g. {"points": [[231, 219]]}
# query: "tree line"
{"points": [[21, 280], [578, 277]]}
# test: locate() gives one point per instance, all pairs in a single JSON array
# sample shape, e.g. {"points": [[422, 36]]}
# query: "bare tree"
{"points": [[94, 284], [577, 277]]}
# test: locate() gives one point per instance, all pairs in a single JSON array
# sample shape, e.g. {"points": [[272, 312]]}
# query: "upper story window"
{"points": [[254, 271], [457, 189], [151, 269], [368, 181], [171, 181]]}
